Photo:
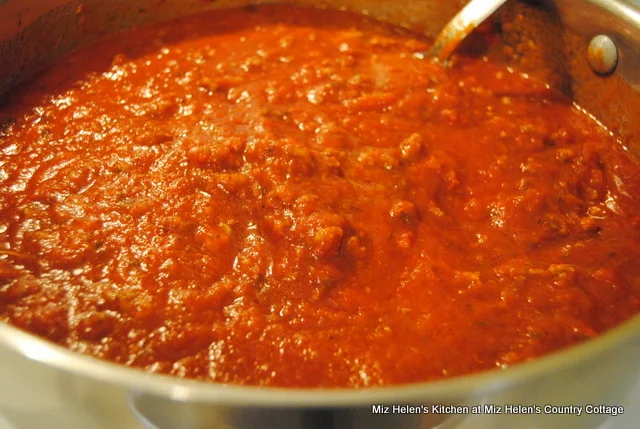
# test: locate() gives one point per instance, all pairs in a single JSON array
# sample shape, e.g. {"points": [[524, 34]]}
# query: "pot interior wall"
{"points": [[534, 38]]}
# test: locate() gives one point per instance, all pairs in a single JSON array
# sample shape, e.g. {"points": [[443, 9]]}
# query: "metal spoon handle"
{"points": [[472, 15]]}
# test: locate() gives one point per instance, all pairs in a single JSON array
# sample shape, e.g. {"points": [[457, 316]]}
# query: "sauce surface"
{"points": [[291, 197]]}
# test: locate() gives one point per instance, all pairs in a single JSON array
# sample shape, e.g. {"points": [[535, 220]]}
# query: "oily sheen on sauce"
{"points": [[291, 197]]}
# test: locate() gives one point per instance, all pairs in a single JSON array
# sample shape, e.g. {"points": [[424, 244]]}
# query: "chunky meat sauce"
{"points": [[294, 197]]}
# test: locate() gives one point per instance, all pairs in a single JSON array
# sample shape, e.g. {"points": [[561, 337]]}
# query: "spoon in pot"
{"points": [[472, 15]]}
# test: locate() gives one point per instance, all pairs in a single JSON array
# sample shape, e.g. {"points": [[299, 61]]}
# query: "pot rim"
{"points": [[137, 380], [184, 390]]}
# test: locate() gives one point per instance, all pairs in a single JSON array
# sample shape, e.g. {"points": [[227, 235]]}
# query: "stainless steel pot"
{"points": [[550, 42]]}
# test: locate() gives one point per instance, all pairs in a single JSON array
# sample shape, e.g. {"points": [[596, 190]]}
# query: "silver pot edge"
{"points": [[45, 352]]}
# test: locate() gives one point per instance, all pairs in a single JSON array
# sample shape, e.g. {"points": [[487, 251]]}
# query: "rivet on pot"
{"points": [[602, 55]]}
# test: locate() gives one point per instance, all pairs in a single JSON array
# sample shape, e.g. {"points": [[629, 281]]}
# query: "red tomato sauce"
{"points": [[292, 197]]}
